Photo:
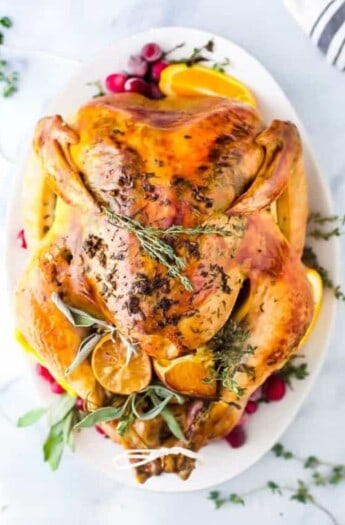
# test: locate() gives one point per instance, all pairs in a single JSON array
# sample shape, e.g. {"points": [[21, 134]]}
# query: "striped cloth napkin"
{"points": [[324, 21]]}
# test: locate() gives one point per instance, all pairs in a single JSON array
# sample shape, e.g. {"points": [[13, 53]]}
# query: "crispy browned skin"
{"points": [[185, 161]]}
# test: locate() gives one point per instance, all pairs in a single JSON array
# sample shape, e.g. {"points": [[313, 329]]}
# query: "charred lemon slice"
{"points": [[190, 375], [113, 371], [179, 79]]}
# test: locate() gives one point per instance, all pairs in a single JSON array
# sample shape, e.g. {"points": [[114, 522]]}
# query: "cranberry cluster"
{"points": [[142, 75]]}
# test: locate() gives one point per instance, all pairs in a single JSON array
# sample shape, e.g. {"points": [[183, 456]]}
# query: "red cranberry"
{"points": [[157, 68], [56, 388], [274, 388], [151, 52], [155, 92], [43, 372], [21, 239], [100, 430], [79, 403], [251, 407], [137, 66], [137, 85], [237, 437], [116, 82]]}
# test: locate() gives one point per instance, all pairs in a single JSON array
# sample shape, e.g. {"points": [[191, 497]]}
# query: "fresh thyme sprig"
{"points": [[153, 243], [8, 77], [198, 55], [331, 474], [229, 347], [317, 218], [291, 370]]}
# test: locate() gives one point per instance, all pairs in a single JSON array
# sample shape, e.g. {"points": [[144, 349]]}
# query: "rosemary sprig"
{"points": [[229, 347], [332, 474], [153, 243]]}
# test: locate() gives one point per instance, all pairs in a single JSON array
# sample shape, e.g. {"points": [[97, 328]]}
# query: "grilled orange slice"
{"points": [[179, 79], [109, 364], [190, 375]]}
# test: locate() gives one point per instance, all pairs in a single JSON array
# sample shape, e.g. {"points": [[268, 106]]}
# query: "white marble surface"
{"points": [[78, 29]]}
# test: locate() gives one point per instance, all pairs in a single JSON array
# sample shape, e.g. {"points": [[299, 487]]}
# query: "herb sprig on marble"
{"points": [[62, 415], [322, 472], [8, 78]]}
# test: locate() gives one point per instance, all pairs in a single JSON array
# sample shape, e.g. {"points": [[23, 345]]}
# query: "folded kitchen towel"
{"points": [[324, 21]]}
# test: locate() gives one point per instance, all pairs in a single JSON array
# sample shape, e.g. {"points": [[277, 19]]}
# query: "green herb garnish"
{"points": [[153, 243], [291, 370], [329, 475], [80, 318], [319, 222], [62, 416], [229, 347], [8, 78], [5, 21], [147, 404], [198, 55], [97, 84]]}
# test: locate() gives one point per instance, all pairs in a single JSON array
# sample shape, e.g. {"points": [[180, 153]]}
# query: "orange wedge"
{"points": [[109, 364], [315, 281], [188, 374], [179, 79]]}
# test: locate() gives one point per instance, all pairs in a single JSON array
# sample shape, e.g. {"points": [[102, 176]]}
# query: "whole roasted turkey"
{"points": [[185, 162]]}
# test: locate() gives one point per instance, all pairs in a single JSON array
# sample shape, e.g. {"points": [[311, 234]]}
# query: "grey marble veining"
{"points": [[78, 29]]}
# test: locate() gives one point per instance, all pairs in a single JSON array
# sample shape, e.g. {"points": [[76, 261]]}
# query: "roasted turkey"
{"points": [[187, 162]]}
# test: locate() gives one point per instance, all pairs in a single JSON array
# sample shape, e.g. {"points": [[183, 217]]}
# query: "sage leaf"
{"points": [[67, 429], [84, 350], [75, 316], [31, 417], [5, 21], [60, 408], [102, 415], [172, 423], [53, 448], [153, 412], [163, 392]]}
